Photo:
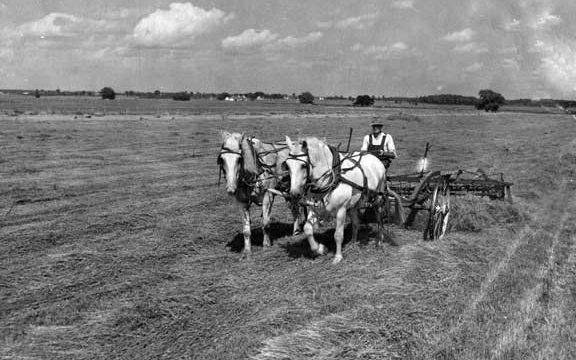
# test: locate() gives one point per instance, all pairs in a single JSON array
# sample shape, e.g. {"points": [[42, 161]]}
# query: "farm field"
{"points": [[117, 243]]}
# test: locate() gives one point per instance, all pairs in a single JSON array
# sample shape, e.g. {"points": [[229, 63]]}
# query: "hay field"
{"points": [[117, 244]]}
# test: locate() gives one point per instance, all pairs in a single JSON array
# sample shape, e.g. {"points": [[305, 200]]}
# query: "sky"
{"points": [[521, 48]]}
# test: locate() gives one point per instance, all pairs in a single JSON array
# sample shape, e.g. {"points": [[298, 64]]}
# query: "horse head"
{"points": [[298, 164], [230, 159]]}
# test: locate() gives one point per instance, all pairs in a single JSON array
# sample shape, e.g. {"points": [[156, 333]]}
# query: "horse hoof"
{"points": [[266, 244], [246, 256], [296, 232], [320, 250], [337, 259]]}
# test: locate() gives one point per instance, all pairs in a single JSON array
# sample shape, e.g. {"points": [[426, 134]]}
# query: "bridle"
{"points": [[247, 181], [220, 161], [311, 184]]}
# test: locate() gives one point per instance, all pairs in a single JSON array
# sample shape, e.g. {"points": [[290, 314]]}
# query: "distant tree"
{"points": [[108, 93], [489, 100], [306, 98], [183, 96], [222, 96], [37, 93], [364, 100]]}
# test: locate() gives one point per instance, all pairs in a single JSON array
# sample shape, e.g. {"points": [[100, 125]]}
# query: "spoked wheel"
{"points": [[439, 212]]}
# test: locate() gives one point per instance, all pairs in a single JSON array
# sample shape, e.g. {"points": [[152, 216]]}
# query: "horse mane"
{"points": [[249, 156], [316, 150]]}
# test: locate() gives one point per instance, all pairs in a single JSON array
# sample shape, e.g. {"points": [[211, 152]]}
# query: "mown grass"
{"points": [[117, 243]]}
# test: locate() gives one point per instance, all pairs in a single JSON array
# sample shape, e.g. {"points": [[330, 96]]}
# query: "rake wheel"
{"points": [[439, 212]]}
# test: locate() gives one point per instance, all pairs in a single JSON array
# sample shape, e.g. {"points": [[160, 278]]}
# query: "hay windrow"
{"points": [[121, 245]]}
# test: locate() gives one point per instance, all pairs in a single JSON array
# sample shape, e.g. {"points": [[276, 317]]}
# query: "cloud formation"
{"points": [[380, 52], [357, 22], [251, 40], [403, 4], [471, 47], [63, 25], [181, 23], [460, 36], [558, 63]]}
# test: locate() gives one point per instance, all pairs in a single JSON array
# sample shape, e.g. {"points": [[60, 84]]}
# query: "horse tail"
{"points": [[249, 157]]}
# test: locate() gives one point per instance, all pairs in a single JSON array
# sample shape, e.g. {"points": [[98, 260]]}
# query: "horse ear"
{"points": [[225, 135], [304, 145], [289, 143]]}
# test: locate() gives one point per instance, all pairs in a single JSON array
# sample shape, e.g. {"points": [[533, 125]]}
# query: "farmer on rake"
{"points": [[379, 144]]}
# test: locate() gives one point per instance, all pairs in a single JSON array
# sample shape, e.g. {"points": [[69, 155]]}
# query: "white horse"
{"points": [[252, 168], [337, 184]]}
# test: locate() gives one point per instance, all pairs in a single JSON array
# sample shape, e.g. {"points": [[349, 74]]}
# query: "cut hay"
{"points": [[473, 213]]}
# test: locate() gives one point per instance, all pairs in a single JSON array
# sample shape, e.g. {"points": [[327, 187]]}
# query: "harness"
{"points": [[250, 181], [375, 149], [335, 174]]}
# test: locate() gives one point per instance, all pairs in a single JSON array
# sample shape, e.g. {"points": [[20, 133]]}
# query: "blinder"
{"points": [[225, 150], [300, 157]]}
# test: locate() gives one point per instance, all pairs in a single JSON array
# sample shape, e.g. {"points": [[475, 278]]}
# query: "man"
{"points": [[379, 144]]}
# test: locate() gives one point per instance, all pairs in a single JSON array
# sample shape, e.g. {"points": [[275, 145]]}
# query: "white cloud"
{"points": [[61, 24], [477, 66], [470, 48], [183, 22], [403, 4], [293, 42], [460, 36], [249, 39], [254, 40], [558, 64], [510, 64], [513, 25], [358, 22], [380, 52], [546, 19], [400, 46]]}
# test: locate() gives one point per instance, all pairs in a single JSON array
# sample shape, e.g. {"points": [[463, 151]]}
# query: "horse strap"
{"points": [[363, 188], [336, 164]]}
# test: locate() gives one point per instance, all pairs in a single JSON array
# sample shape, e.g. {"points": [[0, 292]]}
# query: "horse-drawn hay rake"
{"points": [[431, 191]]}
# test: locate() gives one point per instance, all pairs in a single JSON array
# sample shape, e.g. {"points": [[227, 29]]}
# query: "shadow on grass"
{"points": [[277, 230], [301, 249]]}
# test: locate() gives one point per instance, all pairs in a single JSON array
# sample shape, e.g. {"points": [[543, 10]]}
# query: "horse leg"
{"points": [[380, 212], [267, 202], [309, 231], [298, 215], [247, 253], [355, 224], [339, 234]]}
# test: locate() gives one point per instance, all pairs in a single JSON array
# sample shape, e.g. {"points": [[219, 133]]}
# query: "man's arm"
{"points": [[389, 146], [365, 142]]}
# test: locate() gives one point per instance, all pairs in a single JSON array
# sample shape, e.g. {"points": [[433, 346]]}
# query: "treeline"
{"points": [[439, 99]]}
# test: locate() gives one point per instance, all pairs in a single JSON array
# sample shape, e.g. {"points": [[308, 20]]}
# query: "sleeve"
{"points": [[389, 145], [365, 143]]}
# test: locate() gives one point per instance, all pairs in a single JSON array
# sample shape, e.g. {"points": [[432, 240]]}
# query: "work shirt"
{"points": [[388, 142]]}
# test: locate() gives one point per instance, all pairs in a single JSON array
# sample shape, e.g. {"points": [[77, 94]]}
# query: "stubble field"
{"points": [[117, 243]]}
